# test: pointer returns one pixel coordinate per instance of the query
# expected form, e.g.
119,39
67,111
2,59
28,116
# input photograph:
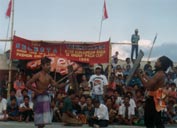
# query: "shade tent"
4,66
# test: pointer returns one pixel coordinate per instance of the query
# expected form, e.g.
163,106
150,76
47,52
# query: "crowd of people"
102,99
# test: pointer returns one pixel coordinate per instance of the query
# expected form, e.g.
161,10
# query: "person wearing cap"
134,39
98,84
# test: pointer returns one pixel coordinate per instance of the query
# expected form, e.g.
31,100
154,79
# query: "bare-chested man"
42,108
154,85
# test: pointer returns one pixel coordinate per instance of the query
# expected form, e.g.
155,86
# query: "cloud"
124,47
2,46
167,49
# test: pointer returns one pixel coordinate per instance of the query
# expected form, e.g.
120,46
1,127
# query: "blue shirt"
135,38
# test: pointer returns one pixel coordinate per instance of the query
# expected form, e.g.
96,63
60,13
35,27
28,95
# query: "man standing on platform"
134,39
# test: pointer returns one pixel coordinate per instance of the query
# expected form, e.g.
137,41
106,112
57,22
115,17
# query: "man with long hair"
154,100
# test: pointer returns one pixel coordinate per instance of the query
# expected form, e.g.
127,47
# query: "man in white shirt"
98,84
126,112
26,110
3,107
101,115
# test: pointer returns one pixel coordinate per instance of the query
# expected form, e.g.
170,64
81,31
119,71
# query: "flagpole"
7,35
110,60
152,47
104,16
10,63
100,30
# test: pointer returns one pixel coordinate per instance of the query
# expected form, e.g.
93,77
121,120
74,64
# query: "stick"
152,46
67,75
135,66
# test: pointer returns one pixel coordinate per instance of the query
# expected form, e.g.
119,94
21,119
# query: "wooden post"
110,60
10,57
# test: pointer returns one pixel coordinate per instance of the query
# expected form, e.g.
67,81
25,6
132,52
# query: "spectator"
172,91
112,84
82,102
111,110
114,64
139,112
85,86
139,96
12,109
98,84
68,117
101,115
128,63
171,113
4,85
127,70
3,109
126,112
115,55
135,39
118,98
88,110
26,110
24,93
19,85
76,107
132,101
12,94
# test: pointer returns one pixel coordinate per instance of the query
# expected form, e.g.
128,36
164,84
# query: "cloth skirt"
42,110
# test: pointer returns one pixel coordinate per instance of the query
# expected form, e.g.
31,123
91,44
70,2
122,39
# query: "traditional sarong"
42,110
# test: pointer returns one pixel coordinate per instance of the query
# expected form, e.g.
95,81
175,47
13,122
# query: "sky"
80,20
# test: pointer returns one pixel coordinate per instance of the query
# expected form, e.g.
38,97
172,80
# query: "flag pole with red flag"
104,17
10,14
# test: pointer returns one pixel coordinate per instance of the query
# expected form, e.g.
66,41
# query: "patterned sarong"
42,110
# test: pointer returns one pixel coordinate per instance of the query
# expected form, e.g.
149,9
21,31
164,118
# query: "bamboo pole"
152,47
5,40
10,58
110,60
100,30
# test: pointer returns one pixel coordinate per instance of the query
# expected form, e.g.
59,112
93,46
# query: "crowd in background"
123,104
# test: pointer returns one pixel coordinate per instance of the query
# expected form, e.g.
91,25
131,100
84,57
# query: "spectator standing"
135,39
19,85
98,84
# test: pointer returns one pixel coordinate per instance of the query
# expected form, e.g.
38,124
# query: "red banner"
82,52
57,64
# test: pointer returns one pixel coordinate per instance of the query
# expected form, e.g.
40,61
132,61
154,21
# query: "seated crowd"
121,103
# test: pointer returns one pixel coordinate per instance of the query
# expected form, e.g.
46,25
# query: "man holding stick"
155,93
42,108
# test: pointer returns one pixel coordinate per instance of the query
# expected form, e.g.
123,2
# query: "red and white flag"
105,13
8,12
